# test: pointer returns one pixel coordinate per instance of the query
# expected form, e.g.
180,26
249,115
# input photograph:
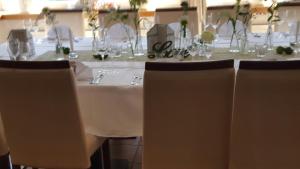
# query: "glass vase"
269,37
138,46
95,43
244,43
234,43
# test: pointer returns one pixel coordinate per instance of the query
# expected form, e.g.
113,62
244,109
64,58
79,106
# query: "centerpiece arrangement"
273,18
50,20
91,12
117,15
183,25
242,14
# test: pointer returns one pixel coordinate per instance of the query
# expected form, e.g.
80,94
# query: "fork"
134,80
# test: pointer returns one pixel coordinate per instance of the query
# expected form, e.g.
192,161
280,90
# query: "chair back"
187,114
106,20
167,16
3,145
40,113
120,32
67,18
266,117
64,32
226,29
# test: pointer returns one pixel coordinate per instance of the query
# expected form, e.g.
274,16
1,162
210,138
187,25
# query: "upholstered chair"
187,114
4,151
167,16
266,117
41,117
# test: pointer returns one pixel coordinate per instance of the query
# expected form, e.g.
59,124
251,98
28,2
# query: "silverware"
135,78
96,80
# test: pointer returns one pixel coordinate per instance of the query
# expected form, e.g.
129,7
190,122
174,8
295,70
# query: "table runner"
218,54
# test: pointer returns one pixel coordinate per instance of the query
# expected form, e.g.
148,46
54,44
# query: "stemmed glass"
193,49
102,49
28,24
212,26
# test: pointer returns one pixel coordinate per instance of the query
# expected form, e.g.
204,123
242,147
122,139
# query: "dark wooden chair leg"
5,162
106,155
96,160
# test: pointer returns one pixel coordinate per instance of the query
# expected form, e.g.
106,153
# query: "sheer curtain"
201,7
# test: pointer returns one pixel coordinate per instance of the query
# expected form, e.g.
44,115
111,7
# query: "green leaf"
270,18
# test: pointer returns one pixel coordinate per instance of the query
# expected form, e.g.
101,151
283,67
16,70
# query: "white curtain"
201,9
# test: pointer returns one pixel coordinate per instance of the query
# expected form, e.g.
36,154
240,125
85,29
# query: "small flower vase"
244,43
58,48
183,42
234,43
138,46
269,37
95,43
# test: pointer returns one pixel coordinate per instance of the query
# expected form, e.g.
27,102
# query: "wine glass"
13,49
27,24
102,49
193,49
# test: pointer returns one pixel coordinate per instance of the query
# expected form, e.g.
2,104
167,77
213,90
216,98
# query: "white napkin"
82,72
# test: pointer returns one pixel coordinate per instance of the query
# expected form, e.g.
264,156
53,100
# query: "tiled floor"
126,153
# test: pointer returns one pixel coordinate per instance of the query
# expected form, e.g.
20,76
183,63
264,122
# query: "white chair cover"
293,28
119,32
226,29
64,32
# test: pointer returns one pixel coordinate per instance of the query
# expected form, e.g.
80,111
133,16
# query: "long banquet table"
114,108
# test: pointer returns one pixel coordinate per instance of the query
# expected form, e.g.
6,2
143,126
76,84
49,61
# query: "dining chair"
64,32
74,20
41,117
266,119
187,114
167,16
226,29
120,32
4,151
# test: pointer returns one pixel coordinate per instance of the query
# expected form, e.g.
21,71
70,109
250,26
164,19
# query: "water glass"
102,49
28,24
193,49
207,50
261,50
116,50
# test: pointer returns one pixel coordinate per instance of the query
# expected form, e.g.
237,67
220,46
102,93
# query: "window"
35,6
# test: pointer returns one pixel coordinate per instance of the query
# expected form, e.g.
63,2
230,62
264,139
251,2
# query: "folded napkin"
82,72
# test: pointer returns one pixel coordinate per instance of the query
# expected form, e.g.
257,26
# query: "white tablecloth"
114,108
